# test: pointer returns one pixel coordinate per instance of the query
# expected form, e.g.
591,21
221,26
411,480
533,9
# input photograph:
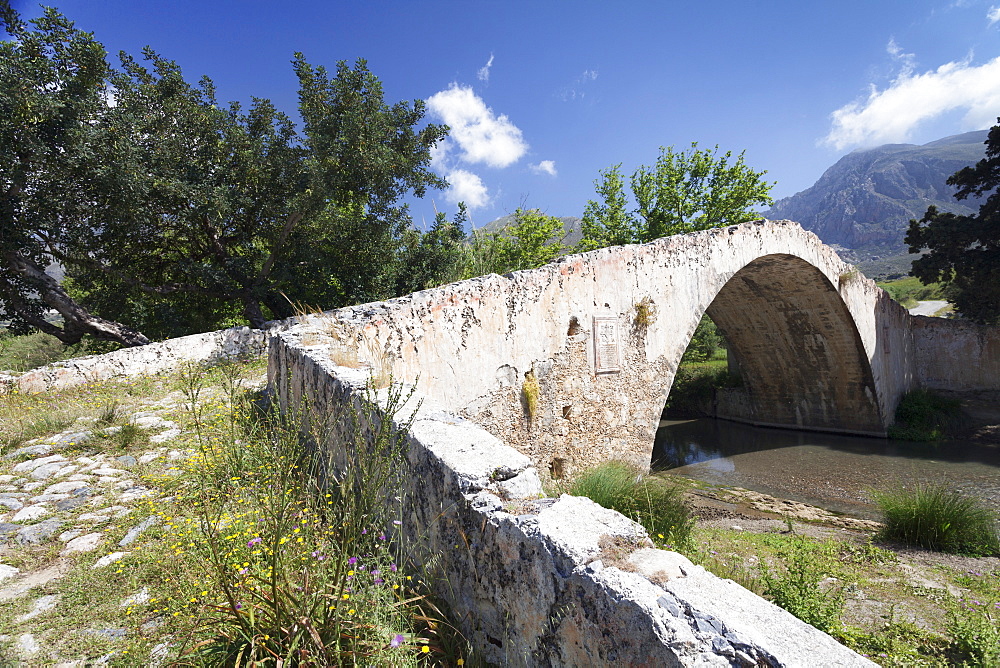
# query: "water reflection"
827,470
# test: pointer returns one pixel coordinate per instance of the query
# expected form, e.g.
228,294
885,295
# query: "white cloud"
545,167
484,72
575,89
907,61
466,187
993,15
890,115
481,135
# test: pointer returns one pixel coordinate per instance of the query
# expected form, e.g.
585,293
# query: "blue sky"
544,94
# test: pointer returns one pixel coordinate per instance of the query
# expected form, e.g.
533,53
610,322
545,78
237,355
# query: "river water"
827,470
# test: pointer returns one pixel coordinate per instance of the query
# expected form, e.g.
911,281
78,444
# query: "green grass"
909,290
214,589
655,503
938,518
923,415
30,351
921,627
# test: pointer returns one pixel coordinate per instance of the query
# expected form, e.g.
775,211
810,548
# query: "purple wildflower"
397,640
392,567
255,541
352,561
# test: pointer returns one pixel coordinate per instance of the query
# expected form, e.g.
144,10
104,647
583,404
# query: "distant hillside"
865,201
572,232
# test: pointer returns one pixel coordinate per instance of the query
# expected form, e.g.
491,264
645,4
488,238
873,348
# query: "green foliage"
685,191
30,351
974,628
655,503
705,342
533,239
53,81
909,290
923,415
695,385
964,251
434,257
797,588
303,546
178,214
937,518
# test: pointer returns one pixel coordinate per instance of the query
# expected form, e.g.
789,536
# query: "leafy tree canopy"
531,240
52,90
964,251
177,214
685,191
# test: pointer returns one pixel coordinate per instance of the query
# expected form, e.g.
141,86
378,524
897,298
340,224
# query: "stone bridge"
818,345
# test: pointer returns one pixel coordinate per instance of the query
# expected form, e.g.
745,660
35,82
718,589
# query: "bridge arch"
821,346
801,358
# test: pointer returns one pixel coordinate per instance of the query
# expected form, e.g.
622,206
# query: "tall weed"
300,534
974,628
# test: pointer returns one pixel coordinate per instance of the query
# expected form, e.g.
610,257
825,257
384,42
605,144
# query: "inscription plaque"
607,357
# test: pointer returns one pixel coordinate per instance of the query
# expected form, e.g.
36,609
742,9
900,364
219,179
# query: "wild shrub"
797,588
974,629
923,415
937,518
655,503
301,539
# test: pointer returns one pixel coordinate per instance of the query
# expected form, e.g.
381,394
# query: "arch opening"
800,358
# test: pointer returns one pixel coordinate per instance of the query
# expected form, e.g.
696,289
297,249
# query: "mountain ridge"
863,203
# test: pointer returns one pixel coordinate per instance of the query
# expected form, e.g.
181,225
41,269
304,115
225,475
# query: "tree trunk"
77,320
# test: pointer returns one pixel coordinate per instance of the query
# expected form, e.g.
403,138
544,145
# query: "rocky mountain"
863,204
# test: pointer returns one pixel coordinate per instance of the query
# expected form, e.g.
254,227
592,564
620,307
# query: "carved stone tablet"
607,357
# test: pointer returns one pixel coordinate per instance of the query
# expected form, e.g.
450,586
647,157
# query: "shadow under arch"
800,354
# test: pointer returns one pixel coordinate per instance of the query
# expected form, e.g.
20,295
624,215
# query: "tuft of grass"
937,518
923,415
655,503
846,277
36,426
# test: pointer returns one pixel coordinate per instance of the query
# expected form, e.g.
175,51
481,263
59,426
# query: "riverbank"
900,606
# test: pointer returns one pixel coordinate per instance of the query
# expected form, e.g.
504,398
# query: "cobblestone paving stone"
56,489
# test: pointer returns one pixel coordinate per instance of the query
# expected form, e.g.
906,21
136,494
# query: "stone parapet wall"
541,581
956,355
141,361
